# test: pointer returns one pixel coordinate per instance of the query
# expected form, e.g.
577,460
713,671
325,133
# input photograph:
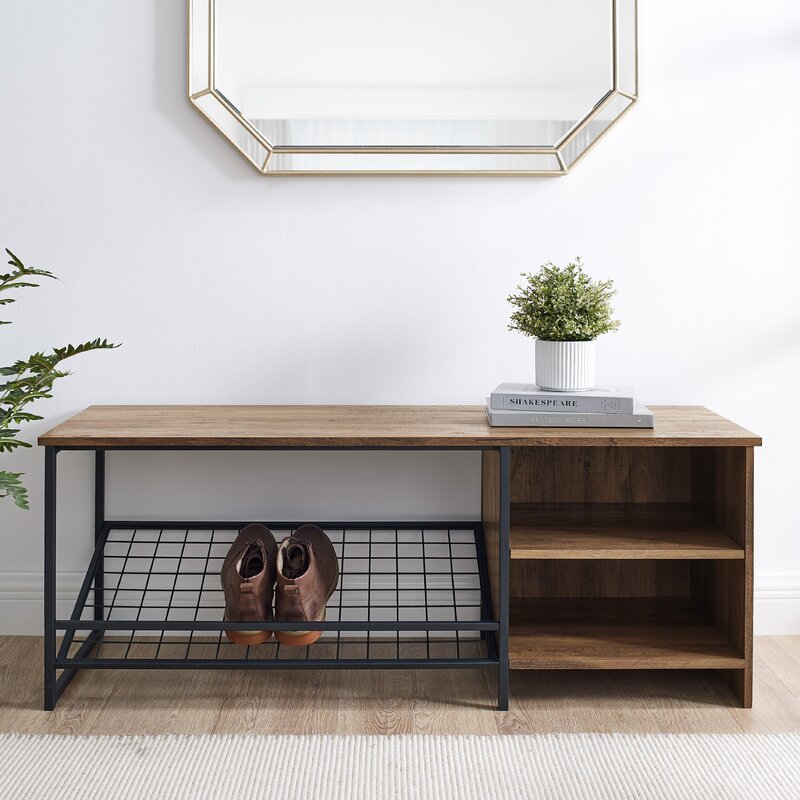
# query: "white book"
641,418
529,397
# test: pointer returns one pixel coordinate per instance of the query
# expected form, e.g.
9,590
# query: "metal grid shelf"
409,594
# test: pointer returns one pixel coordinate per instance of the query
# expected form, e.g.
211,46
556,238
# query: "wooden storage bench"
596,549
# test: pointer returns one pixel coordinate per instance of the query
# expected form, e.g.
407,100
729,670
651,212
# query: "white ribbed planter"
565,366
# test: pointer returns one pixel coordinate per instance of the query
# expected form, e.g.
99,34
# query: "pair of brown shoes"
302,573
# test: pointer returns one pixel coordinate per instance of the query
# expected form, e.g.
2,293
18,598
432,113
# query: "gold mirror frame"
270,159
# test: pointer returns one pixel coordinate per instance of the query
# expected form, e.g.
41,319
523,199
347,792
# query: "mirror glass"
421,86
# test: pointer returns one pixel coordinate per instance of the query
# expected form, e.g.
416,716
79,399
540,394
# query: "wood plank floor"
392,702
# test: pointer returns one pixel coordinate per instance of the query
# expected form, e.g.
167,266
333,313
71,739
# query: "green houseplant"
565,311
28,379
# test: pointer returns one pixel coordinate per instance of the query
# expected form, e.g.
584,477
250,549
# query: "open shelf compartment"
621,614
615,633
617,530
409,594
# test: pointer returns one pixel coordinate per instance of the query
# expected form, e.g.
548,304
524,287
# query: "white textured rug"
564,766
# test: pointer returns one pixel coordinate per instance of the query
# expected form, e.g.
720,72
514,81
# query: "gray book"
529,397
641,418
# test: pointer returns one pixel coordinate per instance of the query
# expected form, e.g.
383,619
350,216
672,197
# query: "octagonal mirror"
423,86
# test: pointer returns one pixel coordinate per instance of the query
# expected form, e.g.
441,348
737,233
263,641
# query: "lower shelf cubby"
407,595
623,613
617,633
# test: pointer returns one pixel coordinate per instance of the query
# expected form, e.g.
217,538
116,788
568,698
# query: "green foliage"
16,279
29,379
563,305
11,486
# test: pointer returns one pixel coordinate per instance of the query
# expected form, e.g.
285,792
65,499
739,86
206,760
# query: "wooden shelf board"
370,426
607,633
617,530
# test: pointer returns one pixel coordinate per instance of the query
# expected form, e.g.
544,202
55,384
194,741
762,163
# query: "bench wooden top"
367,426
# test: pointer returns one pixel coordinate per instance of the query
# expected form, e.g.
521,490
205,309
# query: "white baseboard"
22,600
777,602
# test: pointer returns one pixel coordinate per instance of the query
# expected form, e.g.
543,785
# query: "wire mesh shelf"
407,594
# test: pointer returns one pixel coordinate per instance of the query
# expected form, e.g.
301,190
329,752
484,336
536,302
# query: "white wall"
229,288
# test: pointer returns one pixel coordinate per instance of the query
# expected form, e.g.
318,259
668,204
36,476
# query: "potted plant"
565,311
29,379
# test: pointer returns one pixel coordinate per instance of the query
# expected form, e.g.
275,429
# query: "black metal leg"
487,612
505,545
99,533
50,454
94,580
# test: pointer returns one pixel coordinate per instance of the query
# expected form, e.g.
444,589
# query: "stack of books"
526,405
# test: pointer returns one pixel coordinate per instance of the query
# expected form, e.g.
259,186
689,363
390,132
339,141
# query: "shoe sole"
248,637
299,638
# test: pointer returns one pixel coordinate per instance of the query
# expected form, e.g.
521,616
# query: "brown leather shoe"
308,572
248,580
